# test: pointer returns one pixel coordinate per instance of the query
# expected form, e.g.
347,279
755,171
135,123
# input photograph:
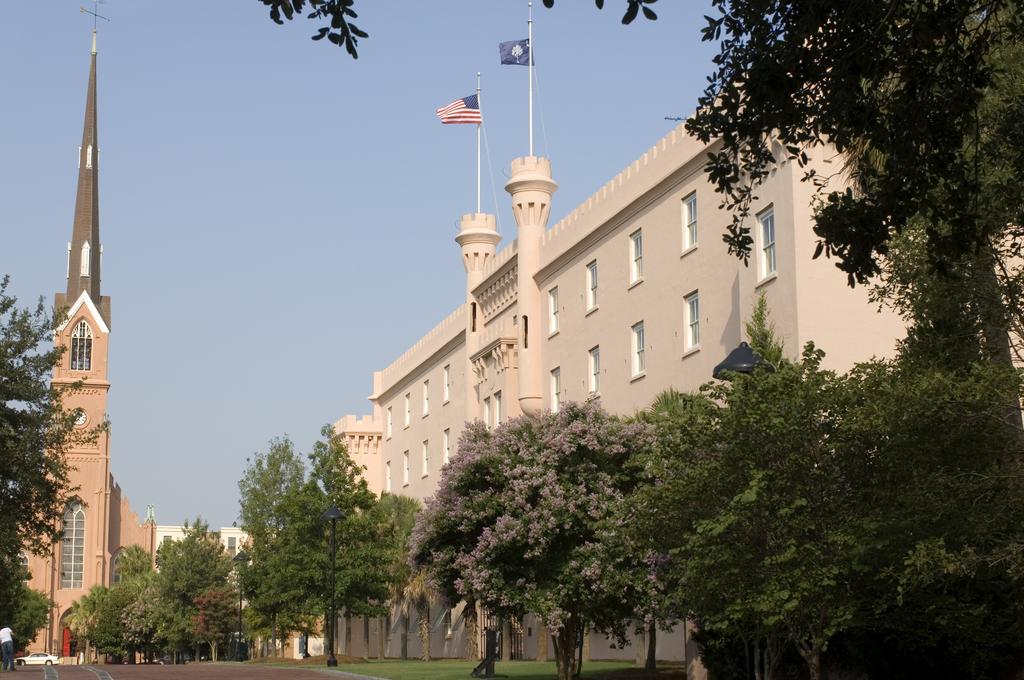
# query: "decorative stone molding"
500,293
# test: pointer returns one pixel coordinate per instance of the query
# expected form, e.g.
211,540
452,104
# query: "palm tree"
418,594
399,515
85,614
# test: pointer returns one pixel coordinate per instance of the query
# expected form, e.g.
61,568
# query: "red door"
65,645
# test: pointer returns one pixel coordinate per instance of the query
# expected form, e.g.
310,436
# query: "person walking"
7,643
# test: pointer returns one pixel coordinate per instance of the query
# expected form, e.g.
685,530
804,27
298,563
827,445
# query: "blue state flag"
515,52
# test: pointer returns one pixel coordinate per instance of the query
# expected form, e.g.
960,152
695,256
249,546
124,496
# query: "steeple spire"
84,252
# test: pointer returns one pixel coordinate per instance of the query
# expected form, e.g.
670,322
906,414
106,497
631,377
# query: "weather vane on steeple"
94,12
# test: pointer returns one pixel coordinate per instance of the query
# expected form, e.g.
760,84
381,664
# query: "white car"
37,659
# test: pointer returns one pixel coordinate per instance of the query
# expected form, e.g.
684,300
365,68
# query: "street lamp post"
743,359
239,559
332,515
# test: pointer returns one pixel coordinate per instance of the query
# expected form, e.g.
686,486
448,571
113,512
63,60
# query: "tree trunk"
348,633
758,662
472,631
382,637
813,659
405,637
506,639
773,650
652,646
424,631
542,641
584,645
273,635
213,650
565,649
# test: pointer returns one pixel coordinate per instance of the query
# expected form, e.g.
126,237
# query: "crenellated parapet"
677,153
436,339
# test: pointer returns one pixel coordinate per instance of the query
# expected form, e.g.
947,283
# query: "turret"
531,188
478,239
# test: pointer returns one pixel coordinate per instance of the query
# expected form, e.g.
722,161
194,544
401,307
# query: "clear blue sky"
278,219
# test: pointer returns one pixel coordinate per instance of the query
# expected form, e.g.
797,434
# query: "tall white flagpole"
529,42
478,126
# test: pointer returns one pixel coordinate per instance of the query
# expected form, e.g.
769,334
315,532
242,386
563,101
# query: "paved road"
203,671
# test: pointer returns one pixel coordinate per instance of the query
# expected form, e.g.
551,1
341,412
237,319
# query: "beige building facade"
630,293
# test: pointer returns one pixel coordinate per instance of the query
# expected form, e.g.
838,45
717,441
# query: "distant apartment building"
631,293
232,538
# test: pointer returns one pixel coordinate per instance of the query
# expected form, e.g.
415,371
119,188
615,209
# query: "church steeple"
84,259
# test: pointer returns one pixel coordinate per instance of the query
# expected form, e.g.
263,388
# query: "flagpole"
478,126
529,42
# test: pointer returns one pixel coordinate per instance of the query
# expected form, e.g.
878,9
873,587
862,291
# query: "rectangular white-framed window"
405,468
497,408
446,393
639,363
487,411
636,256
592,285
426,397
766,221
553,311
426,458
594,366
446,444
388,423
387,476
408,408
690,221
556,389
692,320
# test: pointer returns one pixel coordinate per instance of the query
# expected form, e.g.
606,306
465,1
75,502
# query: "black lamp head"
743,359
332,514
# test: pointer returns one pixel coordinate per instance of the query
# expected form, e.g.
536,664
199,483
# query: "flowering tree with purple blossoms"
528,519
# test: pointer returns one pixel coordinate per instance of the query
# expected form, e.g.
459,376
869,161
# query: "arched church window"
24,562
81,347
72,549
86,257
115,568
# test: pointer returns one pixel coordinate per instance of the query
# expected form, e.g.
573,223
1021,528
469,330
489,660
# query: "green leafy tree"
761,333
29,617
269,492
533,507
188,568
108,634
862,507
288,576
35,433
903,77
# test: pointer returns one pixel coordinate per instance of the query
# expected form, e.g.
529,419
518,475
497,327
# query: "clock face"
82,418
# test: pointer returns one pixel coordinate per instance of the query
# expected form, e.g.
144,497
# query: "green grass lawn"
459,669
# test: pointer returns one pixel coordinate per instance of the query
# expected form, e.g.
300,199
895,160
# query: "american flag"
465,110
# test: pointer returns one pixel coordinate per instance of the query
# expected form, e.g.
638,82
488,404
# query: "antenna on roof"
675,118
